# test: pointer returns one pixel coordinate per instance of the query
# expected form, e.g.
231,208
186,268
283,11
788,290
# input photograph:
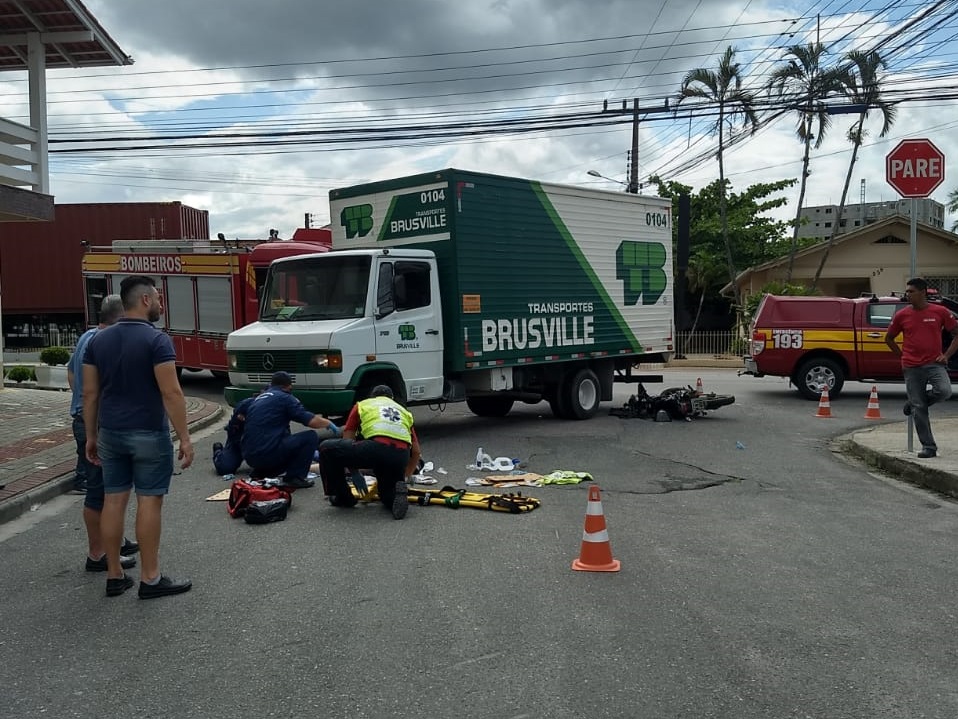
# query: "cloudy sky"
255,110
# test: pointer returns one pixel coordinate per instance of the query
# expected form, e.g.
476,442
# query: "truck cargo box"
529,271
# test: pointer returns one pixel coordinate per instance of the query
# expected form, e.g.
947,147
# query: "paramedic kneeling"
269,447
389,447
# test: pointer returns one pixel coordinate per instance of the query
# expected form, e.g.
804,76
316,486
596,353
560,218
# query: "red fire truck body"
209,288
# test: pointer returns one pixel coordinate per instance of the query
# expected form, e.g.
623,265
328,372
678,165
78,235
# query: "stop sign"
915,168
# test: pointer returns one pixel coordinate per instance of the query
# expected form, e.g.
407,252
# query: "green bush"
55,355
20,374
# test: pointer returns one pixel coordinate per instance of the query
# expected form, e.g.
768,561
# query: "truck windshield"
318,288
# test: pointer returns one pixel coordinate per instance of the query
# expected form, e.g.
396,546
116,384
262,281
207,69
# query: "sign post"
914,168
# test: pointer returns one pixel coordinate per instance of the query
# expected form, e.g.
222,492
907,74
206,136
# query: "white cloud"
235,66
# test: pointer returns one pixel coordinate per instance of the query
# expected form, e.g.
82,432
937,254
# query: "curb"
62,484
918,474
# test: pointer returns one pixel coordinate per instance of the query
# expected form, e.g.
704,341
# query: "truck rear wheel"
816,374
583,394
490,406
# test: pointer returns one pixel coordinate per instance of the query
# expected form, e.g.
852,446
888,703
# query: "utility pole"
634,167
633,185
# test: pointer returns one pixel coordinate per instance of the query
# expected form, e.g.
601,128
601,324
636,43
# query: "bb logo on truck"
357,219
641,267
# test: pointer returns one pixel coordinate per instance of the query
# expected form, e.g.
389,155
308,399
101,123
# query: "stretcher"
512,503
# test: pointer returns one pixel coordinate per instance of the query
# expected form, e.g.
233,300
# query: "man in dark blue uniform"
268,445
228,458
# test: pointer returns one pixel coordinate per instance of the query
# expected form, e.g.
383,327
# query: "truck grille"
264,363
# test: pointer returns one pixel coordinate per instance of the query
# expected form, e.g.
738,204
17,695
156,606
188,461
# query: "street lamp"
595,173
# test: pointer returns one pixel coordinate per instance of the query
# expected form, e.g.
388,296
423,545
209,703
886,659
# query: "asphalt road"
778,580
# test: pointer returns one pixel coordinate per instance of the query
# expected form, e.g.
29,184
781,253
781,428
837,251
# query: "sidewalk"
37,450
884,446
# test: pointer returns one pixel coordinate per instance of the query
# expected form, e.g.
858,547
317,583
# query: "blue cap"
281,379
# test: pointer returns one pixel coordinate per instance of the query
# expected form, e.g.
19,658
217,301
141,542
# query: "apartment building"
819,220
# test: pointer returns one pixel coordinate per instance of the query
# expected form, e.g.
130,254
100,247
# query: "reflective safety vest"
382,417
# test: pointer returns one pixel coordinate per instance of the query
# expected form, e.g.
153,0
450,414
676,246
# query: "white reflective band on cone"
602,536
593,508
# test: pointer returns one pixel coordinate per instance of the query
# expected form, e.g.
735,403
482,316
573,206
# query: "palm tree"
723,87
803,80
953,206
862,87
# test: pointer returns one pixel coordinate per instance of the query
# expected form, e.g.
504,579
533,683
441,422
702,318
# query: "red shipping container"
40,261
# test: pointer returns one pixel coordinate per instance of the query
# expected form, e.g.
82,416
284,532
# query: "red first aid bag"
244,493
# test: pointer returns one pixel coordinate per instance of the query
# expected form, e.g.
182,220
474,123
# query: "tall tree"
754,237
953,206
862,85
803,79
705,271
723,87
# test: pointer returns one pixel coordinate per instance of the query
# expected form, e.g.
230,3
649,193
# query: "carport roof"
73,39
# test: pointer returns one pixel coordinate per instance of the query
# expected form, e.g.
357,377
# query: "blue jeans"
89,473
140,459
293,456
921,397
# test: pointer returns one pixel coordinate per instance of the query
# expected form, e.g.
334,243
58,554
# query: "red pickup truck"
820,342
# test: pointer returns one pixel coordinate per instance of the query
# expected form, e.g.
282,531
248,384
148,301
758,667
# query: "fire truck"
209,287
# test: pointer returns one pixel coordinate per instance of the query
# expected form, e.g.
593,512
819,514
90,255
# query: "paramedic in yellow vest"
389,447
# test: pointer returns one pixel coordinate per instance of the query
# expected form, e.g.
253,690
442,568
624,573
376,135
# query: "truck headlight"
231,361
331,361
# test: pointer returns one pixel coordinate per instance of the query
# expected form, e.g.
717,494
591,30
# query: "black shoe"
116,587
298,482
217,448
165,587
906,410
927,453
400,501
129,548
99,565
345,502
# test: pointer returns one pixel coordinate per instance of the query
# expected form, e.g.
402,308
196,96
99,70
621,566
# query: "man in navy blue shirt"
268,445
129,389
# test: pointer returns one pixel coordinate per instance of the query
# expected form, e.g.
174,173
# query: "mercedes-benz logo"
268,361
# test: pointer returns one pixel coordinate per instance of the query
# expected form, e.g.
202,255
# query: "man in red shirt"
922,360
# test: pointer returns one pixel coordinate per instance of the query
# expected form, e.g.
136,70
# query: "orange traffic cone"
873,411
699,389
596,552
824,407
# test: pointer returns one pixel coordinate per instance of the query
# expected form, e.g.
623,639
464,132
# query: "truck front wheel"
816,374
583,393
489,406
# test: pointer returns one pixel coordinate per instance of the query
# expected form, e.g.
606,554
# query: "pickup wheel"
583,394
490,406
817,373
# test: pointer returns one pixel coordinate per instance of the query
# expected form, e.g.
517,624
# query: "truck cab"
320,317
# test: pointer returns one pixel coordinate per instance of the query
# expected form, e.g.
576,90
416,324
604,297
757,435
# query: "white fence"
714,343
